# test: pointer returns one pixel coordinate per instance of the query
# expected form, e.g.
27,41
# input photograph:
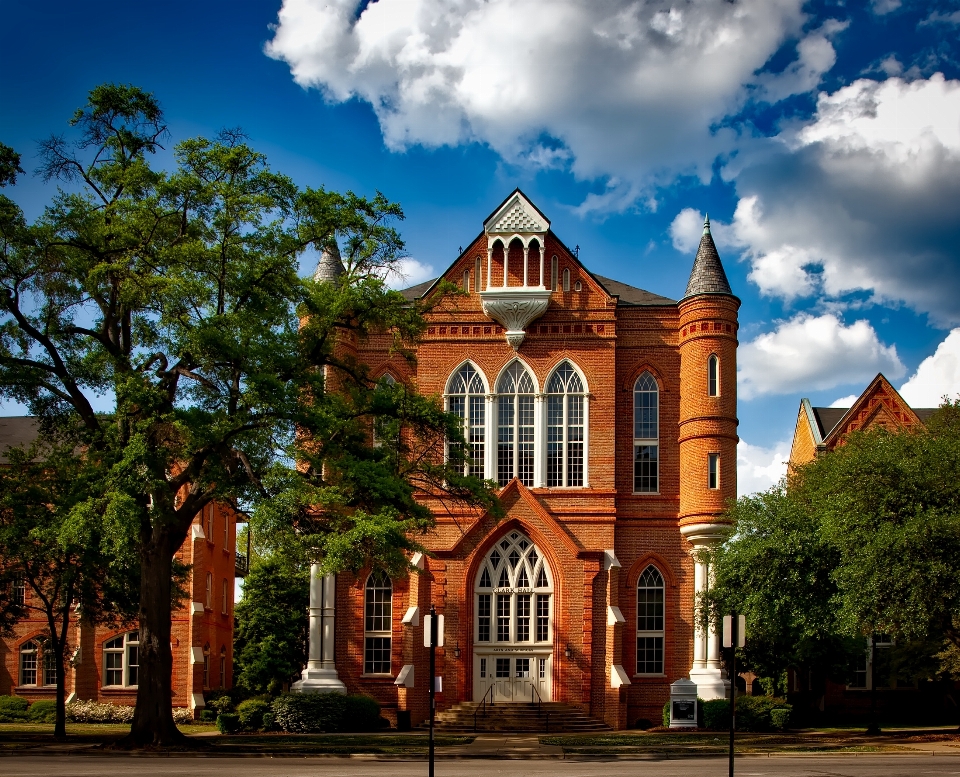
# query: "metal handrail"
483,706
539,703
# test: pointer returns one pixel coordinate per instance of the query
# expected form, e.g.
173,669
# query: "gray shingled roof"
707,276
330,267
628,295
16,431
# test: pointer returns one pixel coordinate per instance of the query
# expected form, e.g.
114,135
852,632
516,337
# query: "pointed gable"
880,405
516,215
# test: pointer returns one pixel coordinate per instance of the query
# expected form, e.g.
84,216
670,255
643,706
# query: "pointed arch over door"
513,624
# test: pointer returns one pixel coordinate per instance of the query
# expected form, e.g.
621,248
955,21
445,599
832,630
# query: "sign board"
684,710
728,629
427,630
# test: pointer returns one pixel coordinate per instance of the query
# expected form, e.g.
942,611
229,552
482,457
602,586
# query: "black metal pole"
733,682
432,681
874,728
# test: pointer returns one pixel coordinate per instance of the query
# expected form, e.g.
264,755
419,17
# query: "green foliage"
251,713
754,713
269,721
43,711
716,714
221,704
270,638
309,713
780,717
208,716
228,723
13,709
665,716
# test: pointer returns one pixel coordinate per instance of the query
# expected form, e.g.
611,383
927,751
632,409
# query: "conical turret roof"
330,267
707,276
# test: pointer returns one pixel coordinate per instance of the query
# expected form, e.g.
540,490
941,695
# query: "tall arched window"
515,427
566,279
646,434
713,376
49,666
377,624
223,666
208,602
28,663
554,263
650,627
467,399
476,273
565,417
224,597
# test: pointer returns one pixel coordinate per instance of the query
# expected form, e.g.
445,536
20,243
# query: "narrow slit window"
378,624
476,274
713,376
713,470
466,281
566,279
554,263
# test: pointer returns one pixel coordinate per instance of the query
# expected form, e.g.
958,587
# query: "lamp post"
432,639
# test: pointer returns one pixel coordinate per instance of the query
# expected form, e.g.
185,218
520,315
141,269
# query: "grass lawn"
19,736
337,744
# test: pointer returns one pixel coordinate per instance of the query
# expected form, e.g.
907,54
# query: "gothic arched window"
377,624
565,427
650,621
515,426
646,434
467,399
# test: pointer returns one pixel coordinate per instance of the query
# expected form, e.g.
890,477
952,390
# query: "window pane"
713,376
503,618
377,655
525,431
645,468
645,408
483,617
505,440
543,617
133,664
379,603
523,617
649,655
503,667
522,667
49,667
554,441
713,470
28,664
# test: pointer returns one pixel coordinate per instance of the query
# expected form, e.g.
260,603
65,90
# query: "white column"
707,671
539,440
489,264
526,265
491,437
506,262
320,674
543,250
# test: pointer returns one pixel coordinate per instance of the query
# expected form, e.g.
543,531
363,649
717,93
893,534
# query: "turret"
708,389
330,269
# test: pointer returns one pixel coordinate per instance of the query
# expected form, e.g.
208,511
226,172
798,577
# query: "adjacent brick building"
104,659
608,416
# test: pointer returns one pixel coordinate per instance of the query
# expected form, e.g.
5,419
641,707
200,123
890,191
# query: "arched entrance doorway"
513,622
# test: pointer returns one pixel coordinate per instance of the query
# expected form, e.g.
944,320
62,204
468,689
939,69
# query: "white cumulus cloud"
864,198
937,376
409,272
629,91
758,468
845,401
810,353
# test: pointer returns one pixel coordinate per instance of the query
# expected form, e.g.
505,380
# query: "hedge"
308,713
13,709
251,713
43,711
96,712
754,713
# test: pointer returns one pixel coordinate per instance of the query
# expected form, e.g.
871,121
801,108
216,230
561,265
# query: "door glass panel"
523,667
503,667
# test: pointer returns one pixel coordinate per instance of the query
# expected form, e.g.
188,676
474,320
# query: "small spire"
707,276
329,268
706,224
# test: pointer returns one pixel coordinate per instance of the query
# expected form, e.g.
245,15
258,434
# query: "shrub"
95,712
43,711
716,714
780,717
182,716
362,714
221,704
269,721
208,716
308,713
228,722
13,708
251,713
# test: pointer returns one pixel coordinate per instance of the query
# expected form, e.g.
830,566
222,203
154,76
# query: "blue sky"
822,137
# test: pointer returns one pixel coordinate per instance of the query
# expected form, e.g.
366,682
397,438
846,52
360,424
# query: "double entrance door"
513,677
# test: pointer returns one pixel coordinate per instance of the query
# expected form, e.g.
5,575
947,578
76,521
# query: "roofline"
857,402
503,202
812,420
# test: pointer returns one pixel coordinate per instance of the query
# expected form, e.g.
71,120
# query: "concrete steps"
515,717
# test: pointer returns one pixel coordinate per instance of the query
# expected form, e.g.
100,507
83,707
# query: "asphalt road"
808,766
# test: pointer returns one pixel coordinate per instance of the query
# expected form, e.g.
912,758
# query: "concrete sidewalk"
521,746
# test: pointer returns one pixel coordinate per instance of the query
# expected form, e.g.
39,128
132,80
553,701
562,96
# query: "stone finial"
706,224
330,267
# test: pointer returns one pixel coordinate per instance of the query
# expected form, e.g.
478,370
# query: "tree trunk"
60,725
153,717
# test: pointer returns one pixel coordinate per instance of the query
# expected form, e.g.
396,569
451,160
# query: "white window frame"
566,395
646,632
377,623
468,398
208,602
646,441
520,371
713,471
29,653
129,641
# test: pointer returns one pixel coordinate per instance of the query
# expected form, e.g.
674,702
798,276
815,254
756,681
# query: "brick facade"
202,623
611,334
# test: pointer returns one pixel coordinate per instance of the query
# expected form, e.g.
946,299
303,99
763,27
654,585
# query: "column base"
711,684
315,679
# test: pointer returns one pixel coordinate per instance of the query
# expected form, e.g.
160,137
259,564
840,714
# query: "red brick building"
104,660
608,416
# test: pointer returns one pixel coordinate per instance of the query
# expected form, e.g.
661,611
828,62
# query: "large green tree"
270,640
864,540
175,298
68,553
